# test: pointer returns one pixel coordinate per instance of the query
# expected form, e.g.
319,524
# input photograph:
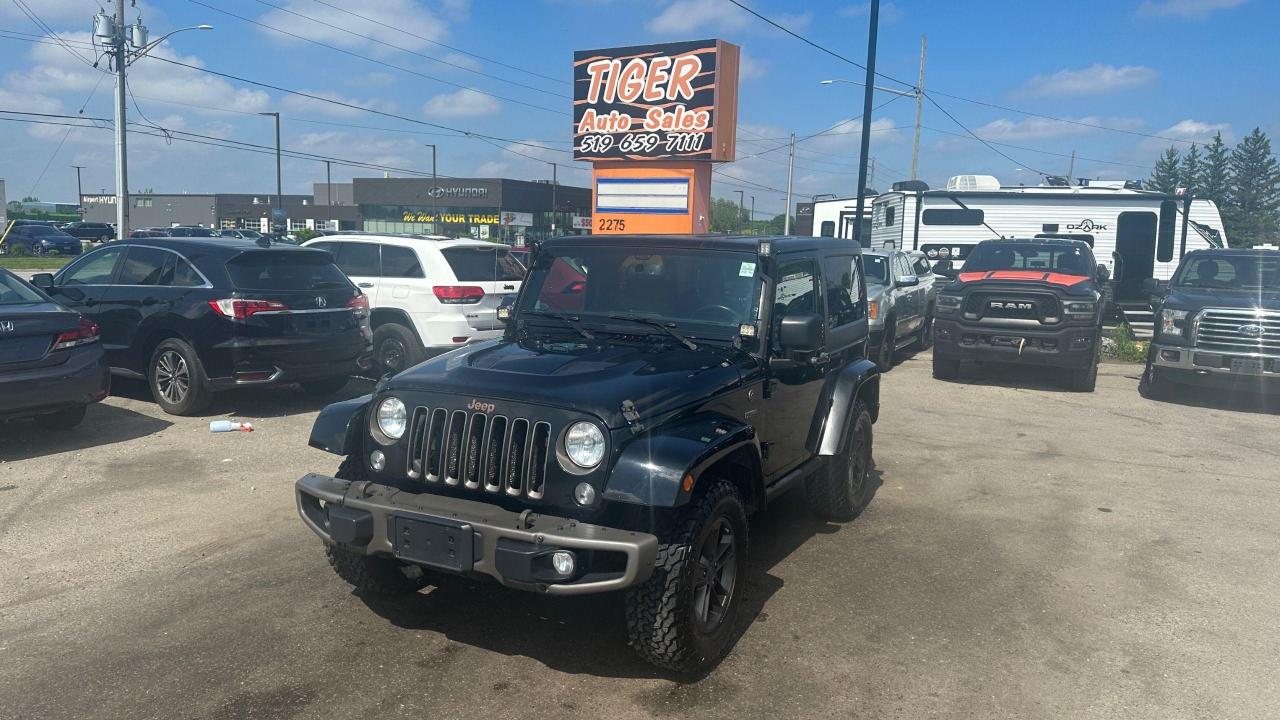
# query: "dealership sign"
581,222
522,219
654,102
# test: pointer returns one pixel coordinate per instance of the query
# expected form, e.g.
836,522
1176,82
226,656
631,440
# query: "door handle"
364,285
149,301
89,302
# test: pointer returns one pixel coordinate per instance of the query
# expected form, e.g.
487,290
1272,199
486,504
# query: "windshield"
1066,259
267,270
705,293
1230,272
15,292
877,269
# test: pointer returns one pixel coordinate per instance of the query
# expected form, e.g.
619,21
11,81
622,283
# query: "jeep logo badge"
478,406
1010,305
1249,331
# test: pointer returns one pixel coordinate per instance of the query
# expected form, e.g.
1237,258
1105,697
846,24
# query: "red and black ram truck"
1034,302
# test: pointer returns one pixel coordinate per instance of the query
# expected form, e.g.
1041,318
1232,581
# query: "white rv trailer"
834,218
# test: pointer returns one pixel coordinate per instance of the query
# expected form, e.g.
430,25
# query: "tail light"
241,309
359,304
458,294
86,332
873,309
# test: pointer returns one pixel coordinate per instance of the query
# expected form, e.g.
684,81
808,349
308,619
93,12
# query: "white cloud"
1035,128
1196,131
691,17
385,20
55,12
493,168
889,12
1093,80
461,104
749,68
1196,9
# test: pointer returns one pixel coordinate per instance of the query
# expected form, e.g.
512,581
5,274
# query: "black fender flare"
858,381
339,428
652,467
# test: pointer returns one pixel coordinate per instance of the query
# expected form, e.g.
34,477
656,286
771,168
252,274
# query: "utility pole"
786,210
867,95
79,192
871,172
122,154
915,145
752,222
435,213
741,210
554,182
279,196
328,187
1071,169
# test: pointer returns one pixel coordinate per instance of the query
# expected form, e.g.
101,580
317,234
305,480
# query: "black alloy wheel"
717,574
395,349
391,355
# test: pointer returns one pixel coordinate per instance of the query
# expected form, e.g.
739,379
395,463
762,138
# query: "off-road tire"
370,575
394,334
925,341
884,358
63,419
324,386
1084,379
661,623
1152,385
197,396
842,490
945,368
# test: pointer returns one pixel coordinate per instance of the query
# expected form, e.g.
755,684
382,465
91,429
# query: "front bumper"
364,517
1069,346
1216,369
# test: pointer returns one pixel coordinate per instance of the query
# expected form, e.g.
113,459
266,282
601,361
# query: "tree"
1191,173
1165,176
1215,173
1253,210
726,216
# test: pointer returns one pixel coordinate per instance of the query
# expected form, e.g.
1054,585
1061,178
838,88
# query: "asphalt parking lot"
1030,553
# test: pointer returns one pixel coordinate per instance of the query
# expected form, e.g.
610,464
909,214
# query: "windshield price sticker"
748,269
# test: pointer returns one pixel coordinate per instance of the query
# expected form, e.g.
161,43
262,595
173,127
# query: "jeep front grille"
1219,329
475,450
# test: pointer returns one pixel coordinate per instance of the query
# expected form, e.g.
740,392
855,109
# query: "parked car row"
38,239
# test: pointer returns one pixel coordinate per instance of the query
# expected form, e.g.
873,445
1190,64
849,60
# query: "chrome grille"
476,451
1219,329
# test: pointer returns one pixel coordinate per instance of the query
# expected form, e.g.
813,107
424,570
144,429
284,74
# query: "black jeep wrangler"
1033,302
1217,324
649,393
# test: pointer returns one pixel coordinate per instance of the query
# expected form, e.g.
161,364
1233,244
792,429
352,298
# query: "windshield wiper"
569,320
665,327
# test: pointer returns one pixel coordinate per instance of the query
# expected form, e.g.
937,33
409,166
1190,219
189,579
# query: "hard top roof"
740,243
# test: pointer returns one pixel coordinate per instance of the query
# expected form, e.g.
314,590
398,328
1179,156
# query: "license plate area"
1248,366
434,542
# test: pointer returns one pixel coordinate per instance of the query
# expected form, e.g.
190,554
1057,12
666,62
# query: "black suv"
91,231
650,392
1217,324
1034,302
194,316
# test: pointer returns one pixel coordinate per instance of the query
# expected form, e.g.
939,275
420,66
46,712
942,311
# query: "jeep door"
791,394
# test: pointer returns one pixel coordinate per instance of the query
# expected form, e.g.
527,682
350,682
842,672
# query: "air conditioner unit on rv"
973,182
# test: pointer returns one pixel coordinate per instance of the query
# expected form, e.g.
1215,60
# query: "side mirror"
1152,286
800,333
908,281
44,281
1102,273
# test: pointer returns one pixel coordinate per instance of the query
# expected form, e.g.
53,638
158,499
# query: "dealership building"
511,211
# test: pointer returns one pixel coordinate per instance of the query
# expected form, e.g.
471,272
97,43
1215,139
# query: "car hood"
1065,285
1196,298
586,378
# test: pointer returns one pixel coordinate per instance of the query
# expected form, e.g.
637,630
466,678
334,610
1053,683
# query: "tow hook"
1021,343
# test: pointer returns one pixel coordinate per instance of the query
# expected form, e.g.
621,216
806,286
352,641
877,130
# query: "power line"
447,47
35,18
993,148
375,61
410,51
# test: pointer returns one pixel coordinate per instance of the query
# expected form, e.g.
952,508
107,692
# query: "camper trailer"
1136,233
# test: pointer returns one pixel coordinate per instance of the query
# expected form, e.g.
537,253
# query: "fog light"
1170,355
377,460
563,562
584,494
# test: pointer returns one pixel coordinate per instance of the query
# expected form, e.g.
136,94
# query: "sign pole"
786,211
866,119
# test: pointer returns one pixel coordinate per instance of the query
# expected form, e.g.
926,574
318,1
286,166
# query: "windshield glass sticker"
748,269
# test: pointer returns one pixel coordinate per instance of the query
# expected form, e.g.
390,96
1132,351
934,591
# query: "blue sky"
1178,69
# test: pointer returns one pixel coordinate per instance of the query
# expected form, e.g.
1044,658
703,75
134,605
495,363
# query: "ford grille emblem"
321,302
6,326
1250,331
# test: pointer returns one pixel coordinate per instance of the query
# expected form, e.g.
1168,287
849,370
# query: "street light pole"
915,145
786,209
435,219
554,183
867,95
328,187
738,225
79,192
279,196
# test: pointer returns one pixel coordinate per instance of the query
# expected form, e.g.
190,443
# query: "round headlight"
392,418
584,444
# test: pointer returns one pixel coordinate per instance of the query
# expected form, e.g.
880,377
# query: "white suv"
429,294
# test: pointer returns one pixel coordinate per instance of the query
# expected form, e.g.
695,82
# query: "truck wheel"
1152,385
366,573
945,368
884,358
395,348
177,378
842,490
1085,379
926,331
684,616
